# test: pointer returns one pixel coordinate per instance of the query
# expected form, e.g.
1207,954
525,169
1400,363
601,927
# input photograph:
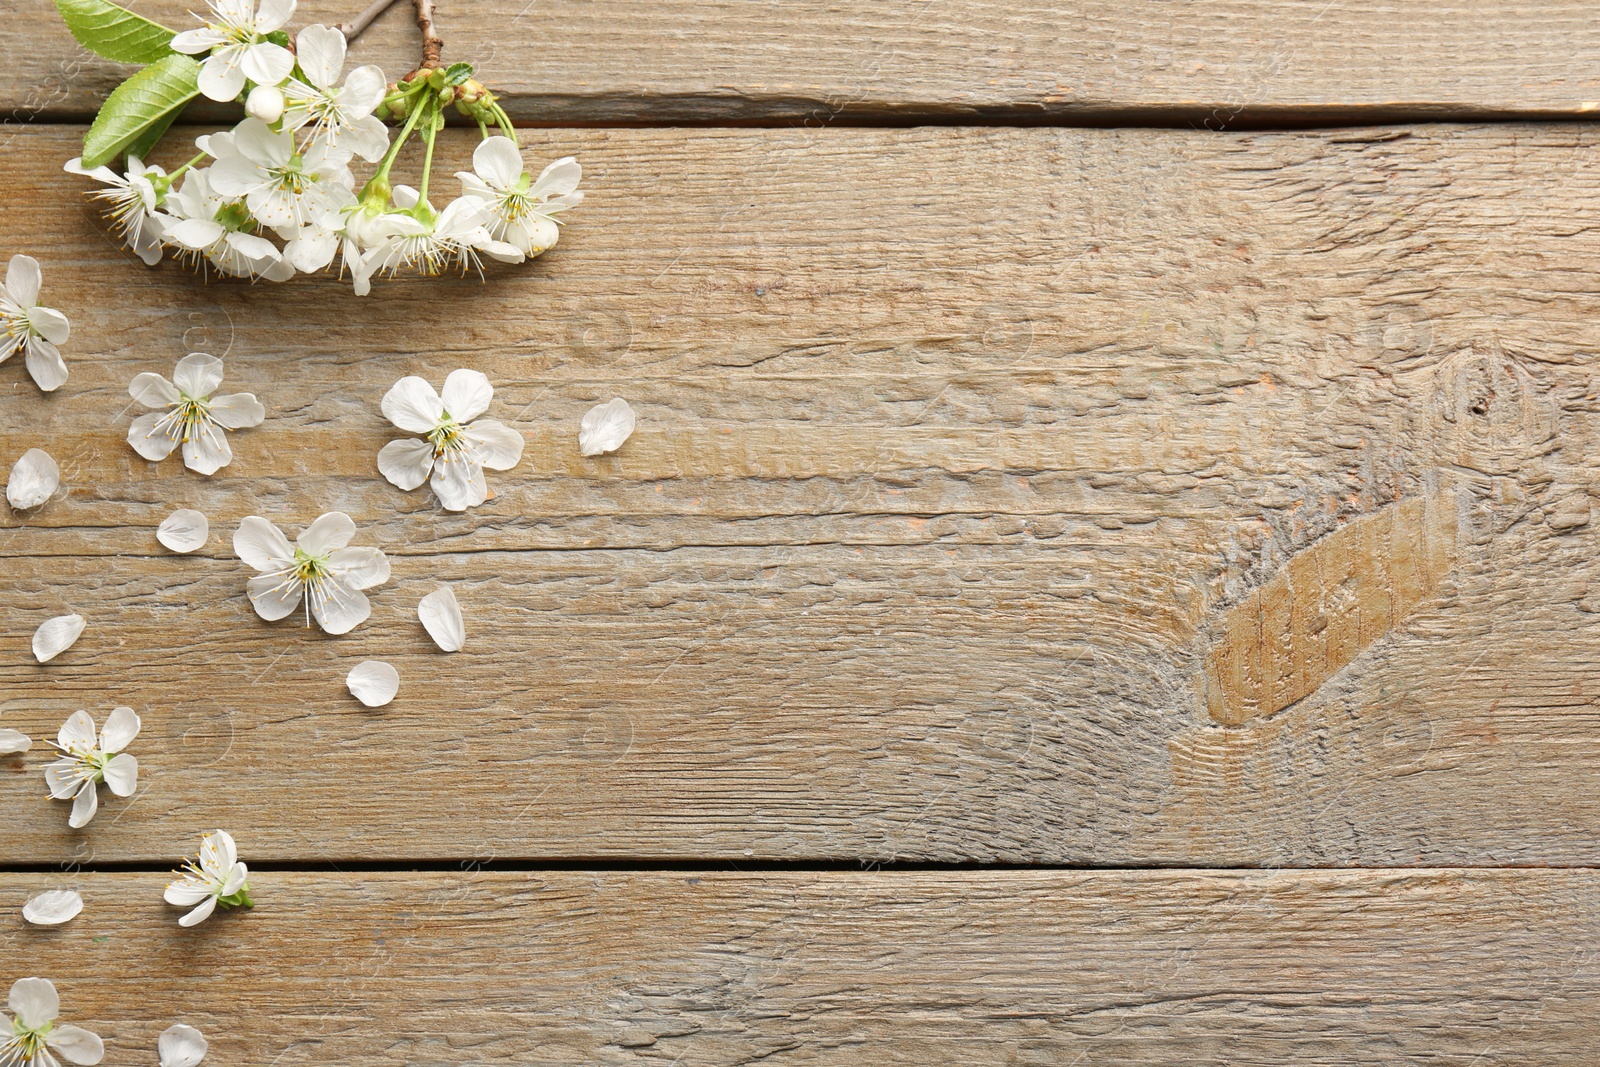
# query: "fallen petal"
605,427
184,531
53,908
34,479
373,682
440,613
14,741
56,636
181,1046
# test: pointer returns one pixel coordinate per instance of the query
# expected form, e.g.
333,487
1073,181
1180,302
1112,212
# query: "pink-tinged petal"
23,280
329,533
406,463
122,774
466,394
262,545
84,805
498,446
360,568
412,405
150,439
198,374
152,390
201,913
274,598
121,727
458,482
34,1002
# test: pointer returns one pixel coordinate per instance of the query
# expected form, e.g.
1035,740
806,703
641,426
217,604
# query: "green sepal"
456,73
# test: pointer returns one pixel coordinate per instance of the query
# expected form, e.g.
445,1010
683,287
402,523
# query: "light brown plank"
941,503
1213,64
1435,966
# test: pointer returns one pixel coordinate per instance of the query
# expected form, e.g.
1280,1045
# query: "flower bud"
265,102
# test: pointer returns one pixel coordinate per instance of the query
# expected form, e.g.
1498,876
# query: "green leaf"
115,32
456,73
154,95
146,141
279,38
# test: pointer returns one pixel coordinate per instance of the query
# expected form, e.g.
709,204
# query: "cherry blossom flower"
318,568
27,325
55,636
338,116
236,39
209,226
85,763
373,682
135,200
455,449
522,213
36,1038
181,1046
217,877
53,907
605,427
282,188
34,478
189,415
440,613
456,238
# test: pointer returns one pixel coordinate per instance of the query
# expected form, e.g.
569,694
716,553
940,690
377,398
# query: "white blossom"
36,1038
135,198
281,187
373,682
456,238
55,636
216,877
455,449
340,116
86,762
27,325
522,212
181,1046
210,226
440,613
52,908
236,38
605,427
318,568
189,415
34,478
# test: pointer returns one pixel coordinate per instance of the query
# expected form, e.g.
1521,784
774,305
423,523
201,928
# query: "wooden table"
1105,573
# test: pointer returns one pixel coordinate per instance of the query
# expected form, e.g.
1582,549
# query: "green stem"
504,121
427,163
187,166
483,129
399,142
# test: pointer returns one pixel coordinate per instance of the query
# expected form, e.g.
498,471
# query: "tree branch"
356,26
432,43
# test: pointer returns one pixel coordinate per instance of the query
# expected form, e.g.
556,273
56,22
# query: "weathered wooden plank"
1212,64
1437,966
940,506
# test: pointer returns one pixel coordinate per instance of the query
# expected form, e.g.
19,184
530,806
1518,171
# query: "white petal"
149,438
406,463
122,774
267,64
14,741
84,805
237,875
193,42
440,613
53,908
220,77
34,479
55,637
329,533
605,427
466,394
50,323
186,891
413,405
373,682
256,143
77,732
218,852
22,280
61,778
207,450
77,1045
273,15
458,482
34,1002
363,90
274,597
558,179
198,374
342,611
196,234
121,727
360,568
498,446
45,365
152,390
201,913
237,411
185,530
320,50
498,161
262,545
181,1046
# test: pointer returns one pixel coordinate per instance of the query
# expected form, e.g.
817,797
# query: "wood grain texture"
1202,62
551,969
942,494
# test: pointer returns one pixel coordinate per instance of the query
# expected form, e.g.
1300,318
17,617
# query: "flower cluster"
277,195
36,1038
